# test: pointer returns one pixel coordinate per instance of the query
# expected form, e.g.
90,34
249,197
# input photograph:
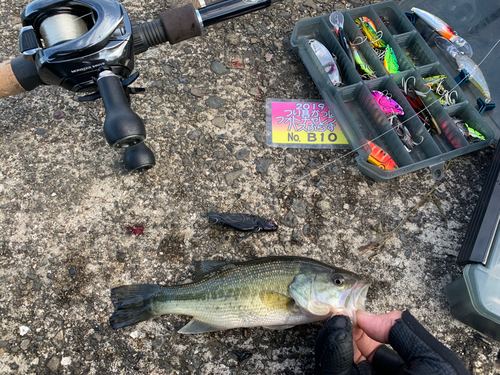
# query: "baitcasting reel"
86,46
89,46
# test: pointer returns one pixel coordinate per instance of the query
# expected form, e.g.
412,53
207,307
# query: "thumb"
377,326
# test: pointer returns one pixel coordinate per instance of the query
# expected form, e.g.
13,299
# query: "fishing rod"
89,47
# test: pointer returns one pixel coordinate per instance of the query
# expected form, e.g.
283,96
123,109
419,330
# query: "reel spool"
62,27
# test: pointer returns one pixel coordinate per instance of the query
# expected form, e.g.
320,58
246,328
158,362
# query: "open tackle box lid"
358,114
474,298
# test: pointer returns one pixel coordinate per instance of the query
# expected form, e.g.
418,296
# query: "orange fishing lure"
381,158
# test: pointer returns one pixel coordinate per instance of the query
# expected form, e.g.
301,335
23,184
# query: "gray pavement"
65,200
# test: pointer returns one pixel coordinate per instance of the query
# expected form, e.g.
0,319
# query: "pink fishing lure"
387,105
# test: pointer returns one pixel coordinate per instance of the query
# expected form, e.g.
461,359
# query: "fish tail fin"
133,304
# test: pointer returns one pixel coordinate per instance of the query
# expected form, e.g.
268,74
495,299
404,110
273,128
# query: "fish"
327,61
337,21
390,60
273,292
367,27
381,158
388,105
362,63
464,62
443,29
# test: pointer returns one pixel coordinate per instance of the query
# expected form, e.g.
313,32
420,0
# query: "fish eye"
338,280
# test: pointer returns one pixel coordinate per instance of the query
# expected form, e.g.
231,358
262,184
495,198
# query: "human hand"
342,350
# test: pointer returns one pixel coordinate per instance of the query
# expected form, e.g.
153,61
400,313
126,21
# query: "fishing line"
437,100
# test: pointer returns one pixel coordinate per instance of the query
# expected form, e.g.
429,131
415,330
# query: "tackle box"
359,115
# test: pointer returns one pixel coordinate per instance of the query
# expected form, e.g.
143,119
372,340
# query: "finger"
364,344
358,356
377,326
334,347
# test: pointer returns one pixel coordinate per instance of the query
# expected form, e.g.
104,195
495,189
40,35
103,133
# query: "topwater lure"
443,29
464,62
381,158
337,21
327,61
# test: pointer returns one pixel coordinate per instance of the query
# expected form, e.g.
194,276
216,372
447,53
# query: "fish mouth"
358,299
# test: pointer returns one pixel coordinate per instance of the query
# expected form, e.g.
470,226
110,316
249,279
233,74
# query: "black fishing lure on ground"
242,222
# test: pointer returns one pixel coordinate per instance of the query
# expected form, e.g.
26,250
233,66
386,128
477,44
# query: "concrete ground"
66,200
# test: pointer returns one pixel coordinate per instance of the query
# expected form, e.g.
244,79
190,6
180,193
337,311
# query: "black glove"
418,352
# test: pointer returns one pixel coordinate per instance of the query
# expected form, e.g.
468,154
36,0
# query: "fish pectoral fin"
195,326
279,328
276,300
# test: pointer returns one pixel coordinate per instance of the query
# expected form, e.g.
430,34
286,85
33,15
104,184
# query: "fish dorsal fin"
201,268
195,326
276,301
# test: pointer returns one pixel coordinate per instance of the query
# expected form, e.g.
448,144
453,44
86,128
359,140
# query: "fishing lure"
362,63
242,222
468,132
403,133
337,20
444,96
413,97
381,158
388,105
367,27
327,61
464,62
390,60
443,29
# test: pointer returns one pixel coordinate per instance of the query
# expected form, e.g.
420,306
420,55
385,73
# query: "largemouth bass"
274,292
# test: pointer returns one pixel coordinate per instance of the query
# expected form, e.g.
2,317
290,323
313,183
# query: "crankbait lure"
464,62
362,63
367,27
388,105
327,61
390,61
381,158
443,29
242,222
337,21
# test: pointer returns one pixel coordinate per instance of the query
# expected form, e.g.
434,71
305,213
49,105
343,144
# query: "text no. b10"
313,137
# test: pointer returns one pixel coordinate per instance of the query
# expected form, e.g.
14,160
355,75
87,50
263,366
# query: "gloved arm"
417,351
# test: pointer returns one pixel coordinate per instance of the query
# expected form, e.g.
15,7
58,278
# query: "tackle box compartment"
357,112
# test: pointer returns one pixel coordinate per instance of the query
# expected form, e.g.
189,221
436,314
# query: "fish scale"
274,292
